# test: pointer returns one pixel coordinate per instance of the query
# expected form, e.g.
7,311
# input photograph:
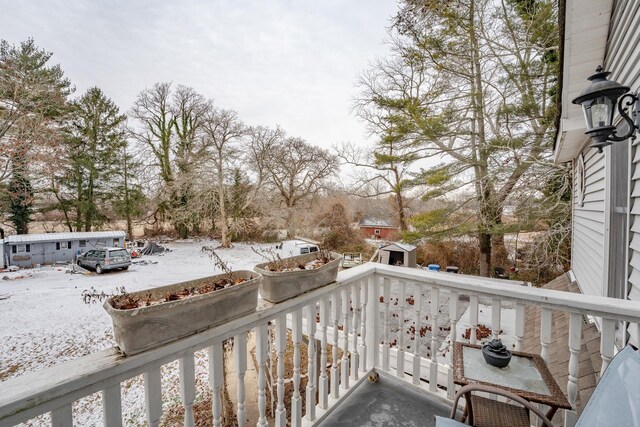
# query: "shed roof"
376,222
401,246
59,237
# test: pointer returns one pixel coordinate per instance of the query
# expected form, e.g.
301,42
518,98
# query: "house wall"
44,253
622,54
385,233
596,252
588,223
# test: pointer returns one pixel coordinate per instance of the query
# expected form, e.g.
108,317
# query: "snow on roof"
404,246
56,237
375,222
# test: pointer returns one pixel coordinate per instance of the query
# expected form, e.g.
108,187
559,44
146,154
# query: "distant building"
376,228
28,250
398,254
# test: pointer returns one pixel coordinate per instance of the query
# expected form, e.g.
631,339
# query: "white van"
290,248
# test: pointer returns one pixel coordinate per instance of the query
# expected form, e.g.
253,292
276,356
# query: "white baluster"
401,333
607,342
417,306
112,406
373,322
355,305
575,333
496,311
310,413
153,396
240,360
520,319
187,371
453,337
362,350
281,345
296,400
262,347
546,317
453,319
345,338
216,375
473,318
62,417
335,373
386,295
323,383
435,308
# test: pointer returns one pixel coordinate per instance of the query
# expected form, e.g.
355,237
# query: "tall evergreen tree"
129,194
20,201
474,82
33,101
95,143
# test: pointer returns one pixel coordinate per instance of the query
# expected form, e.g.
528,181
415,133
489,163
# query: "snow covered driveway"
44,320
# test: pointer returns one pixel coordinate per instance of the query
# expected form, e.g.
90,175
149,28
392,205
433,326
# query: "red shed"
375,228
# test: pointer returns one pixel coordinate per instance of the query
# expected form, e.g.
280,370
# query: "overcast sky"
292,63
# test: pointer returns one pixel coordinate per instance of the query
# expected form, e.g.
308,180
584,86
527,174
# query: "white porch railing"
352,316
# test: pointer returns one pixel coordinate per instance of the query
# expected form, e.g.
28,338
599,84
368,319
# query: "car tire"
125,268
79,263
99,269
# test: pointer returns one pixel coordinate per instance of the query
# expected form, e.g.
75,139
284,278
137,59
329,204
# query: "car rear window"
118,253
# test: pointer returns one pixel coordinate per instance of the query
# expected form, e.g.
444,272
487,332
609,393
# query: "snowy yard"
45,321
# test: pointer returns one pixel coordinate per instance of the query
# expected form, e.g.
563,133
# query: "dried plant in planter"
220,263
286,278
126,302
278,264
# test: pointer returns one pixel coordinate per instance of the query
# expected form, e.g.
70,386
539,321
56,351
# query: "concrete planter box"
139,329
278,286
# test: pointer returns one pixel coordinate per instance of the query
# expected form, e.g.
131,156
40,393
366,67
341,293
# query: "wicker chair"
484,412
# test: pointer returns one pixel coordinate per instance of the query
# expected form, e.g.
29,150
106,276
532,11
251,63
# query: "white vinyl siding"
634,233
623,51
588,225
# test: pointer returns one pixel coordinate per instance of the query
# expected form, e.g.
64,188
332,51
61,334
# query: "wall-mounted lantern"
598,101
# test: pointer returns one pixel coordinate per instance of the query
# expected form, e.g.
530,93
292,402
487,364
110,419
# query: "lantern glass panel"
599,112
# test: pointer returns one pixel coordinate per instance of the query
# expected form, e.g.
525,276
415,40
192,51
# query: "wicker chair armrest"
494,390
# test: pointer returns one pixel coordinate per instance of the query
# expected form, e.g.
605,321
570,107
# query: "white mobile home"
606,191
28,250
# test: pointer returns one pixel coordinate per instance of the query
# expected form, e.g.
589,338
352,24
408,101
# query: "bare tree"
168,125
298,171
222,132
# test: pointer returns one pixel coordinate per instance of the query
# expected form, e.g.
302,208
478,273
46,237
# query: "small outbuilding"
28,250
398,254
376,228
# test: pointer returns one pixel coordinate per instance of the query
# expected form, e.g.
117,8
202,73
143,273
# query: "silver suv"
103,259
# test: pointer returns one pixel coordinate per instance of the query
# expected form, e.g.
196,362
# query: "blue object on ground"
433,267
447,422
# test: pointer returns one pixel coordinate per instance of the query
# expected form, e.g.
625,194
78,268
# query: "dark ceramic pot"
496,354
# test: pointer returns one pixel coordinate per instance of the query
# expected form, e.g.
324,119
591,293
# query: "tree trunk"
127,201
224,231
484,240
400,206
291,229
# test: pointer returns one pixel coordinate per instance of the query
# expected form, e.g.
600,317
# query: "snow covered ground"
45,321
